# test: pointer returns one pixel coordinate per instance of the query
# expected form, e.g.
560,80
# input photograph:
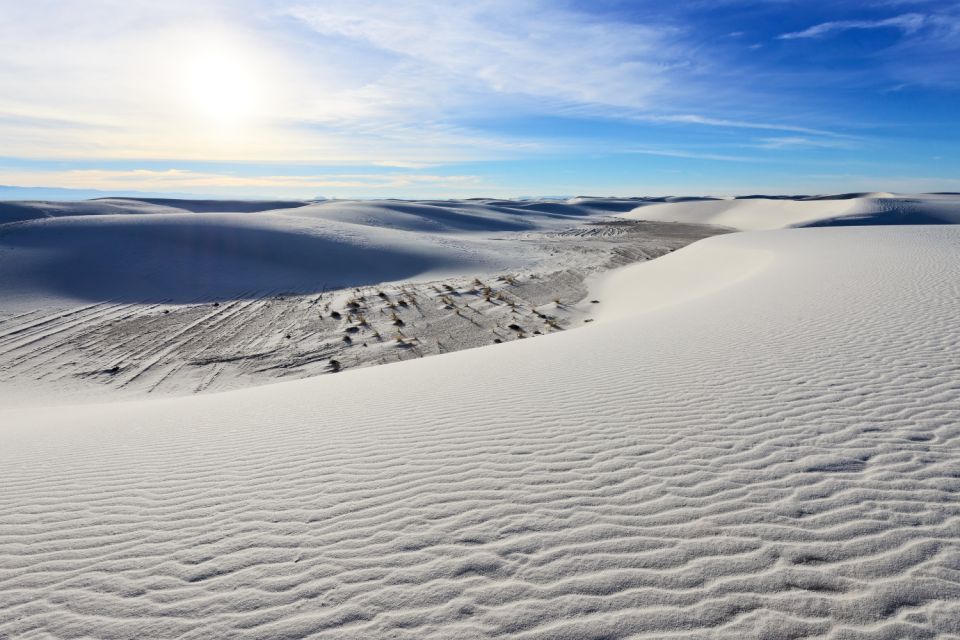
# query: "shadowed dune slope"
151,250
193,257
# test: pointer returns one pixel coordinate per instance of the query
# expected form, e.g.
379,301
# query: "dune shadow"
184,260
213,206
880,218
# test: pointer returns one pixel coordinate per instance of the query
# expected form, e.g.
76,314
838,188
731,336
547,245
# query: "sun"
221,88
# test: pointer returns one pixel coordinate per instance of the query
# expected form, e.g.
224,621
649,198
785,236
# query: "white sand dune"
187,257
775,454
148,252
155,250
759,213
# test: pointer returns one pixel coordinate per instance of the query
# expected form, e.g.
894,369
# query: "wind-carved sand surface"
231,334
769,451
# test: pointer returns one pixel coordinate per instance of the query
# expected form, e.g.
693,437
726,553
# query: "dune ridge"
754,213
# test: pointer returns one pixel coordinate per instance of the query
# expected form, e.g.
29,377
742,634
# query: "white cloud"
379,81
794,142
695,155
182,180
733,124
530,48
908,23
338,82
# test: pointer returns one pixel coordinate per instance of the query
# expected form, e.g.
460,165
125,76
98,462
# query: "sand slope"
762,212
776,457
54,254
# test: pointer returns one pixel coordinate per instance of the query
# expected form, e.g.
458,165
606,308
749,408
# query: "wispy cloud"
183,180
794,142
531,48
734,124
331,81
695,155
384,81
401,88
908,23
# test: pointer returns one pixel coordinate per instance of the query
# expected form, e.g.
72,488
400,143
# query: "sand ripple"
779,459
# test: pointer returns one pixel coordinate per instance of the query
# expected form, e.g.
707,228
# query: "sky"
498,98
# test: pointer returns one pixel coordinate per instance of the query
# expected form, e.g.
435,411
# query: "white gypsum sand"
765,212
178,301
769,450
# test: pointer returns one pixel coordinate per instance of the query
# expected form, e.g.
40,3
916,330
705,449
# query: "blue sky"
415,98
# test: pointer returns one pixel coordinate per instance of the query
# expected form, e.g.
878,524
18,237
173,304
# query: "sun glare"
221,88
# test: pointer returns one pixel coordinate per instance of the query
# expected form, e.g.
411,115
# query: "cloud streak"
909,23
212,182
506,47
